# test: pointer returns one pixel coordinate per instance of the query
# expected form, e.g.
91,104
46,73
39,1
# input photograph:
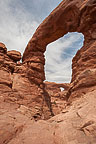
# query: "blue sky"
19,20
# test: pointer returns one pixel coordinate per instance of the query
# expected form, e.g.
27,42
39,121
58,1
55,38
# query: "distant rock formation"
58,97
27,103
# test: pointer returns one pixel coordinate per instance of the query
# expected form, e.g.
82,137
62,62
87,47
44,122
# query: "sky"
18,22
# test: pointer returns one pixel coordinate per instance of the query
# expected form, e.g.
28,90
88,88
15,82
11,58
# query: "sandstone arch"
23,96
62,20
69,16
25,84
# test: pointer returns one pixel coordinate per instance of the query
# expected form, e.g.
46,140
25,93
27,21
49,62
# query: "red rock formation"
58,97
17,84
16,56
23,94
69,16
3,48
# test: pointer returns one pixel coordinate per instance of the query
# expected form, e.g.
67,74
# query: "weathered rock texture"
58,97
17,84
69,16
25,98
75,125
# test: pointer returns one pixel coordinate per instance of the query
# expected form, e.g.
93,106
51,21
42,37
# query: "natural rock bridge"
25,98
25,81
69,16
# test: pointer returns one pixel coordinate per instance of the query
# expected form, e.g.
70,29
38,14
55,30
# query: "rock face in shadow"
57,93
25,98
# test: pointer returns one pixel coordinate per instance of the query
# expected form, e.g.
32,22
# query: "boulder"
14,55
3,48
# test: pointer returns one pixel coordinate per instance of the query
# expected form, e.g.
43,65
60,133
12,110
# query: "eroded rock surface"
17,84
15,55
25,98
57,93
75,124
69,16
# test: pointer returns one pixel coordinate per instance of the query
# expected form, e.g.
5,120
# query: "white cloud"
16,28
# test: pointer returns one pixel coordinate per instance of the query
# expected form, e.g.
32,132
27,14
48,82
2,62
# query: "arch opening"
58,57
62,89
